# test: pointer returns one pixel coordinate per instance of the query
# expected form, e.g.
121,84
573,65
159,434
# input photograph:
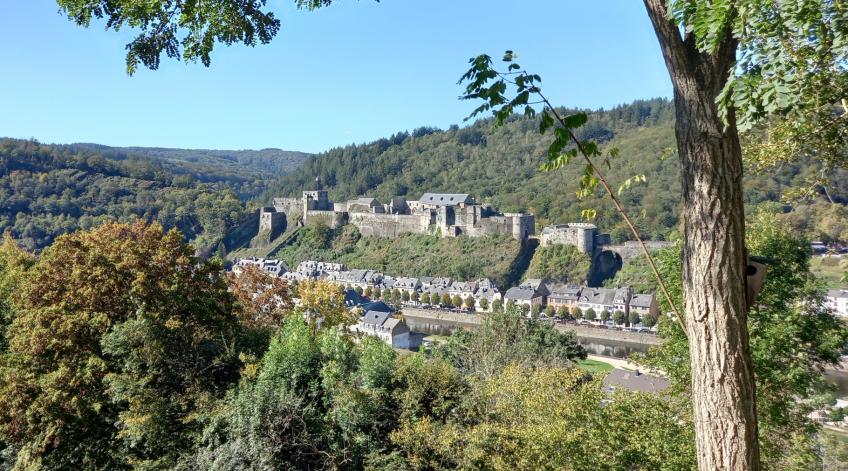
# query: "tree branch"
620,209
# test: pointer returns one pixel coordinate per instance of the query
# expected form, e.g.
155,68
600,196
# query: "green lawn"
594,366
828,269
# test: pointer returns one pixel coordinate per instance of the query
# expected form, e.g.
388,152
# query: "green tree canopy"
121,335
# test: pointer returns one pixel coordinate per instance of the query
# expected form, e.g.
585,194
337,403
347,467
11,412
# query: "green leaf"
546,122
575,120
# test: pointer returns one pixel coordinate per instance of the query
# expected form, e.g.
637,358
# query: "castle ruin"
445,214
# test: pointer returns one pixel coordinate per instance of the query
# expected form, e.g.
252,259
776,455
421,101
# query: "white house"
487,290
392,331
837,301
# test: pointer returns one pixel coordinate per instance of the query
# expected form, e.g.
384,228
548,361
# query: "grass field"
594,366
828,269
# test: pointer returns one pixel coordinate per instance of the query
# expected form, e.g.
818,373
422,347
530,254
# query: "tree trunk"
714,256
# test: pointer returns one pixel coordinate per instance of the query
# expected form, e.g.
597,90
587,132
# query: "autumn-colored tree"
14,263
323,304
456,301
445,300
425,298
121,336
262,300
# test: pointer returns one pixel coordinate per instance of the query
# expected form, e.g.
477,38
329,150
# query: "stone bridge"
607,260
632,249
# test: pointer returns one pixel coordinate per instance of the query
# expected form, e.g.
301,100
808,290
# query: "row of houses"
535,292
484,292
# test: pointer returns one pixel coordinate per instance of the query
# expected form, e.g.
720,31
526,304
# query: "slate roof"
566,293
352,298
406,283
603,296
537,285
376,306
837,293
622,295
462,287
521,294
395,326
446,199
642,300
485,283
375,317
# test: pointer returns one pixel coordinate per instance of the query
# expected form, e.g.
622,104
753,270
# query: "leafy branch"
491,85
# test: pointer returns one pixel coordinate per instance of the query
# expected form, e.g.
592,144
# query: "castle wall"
581,236
288,205
469,220
389,225
523,225
271,222
497,225
332,219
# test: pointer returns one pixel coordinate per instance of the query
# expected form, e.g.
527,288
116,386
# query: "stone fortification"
446,214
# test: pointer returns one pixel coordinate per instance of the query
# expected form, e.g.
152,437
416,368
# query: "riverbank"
608,334
443,315
447,319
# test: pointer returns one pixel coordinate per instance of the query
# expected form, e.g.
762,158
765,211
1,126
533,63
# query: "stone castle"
444,214
582,235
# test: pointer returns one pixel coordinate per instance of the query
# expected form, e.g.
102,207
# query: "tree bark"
714,256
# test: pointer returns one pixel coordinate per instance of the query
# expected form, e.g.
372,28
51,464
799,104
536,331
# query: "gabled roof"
622,295
837,293
352,298
377,306
446,199
375,317
642,300
567,292
462,287
603,296
485,283
537,285
395,326
407,282
521,294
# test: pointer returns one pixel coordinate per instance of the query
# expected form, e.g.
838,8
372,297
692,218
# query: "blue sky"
353,72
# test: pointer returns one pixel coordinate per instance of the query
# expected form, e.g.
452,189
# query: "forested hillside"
501,166
47,190
244,171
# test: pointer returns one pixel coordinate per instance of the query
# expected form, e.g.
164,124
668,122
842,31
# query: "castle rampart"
448,214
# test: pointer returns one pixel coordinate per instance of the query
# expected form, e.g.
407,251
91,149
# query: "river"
594,346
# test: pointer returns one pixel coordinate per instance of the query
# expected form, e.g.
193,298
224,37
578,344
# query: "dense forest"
500,165
48,190
244,171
